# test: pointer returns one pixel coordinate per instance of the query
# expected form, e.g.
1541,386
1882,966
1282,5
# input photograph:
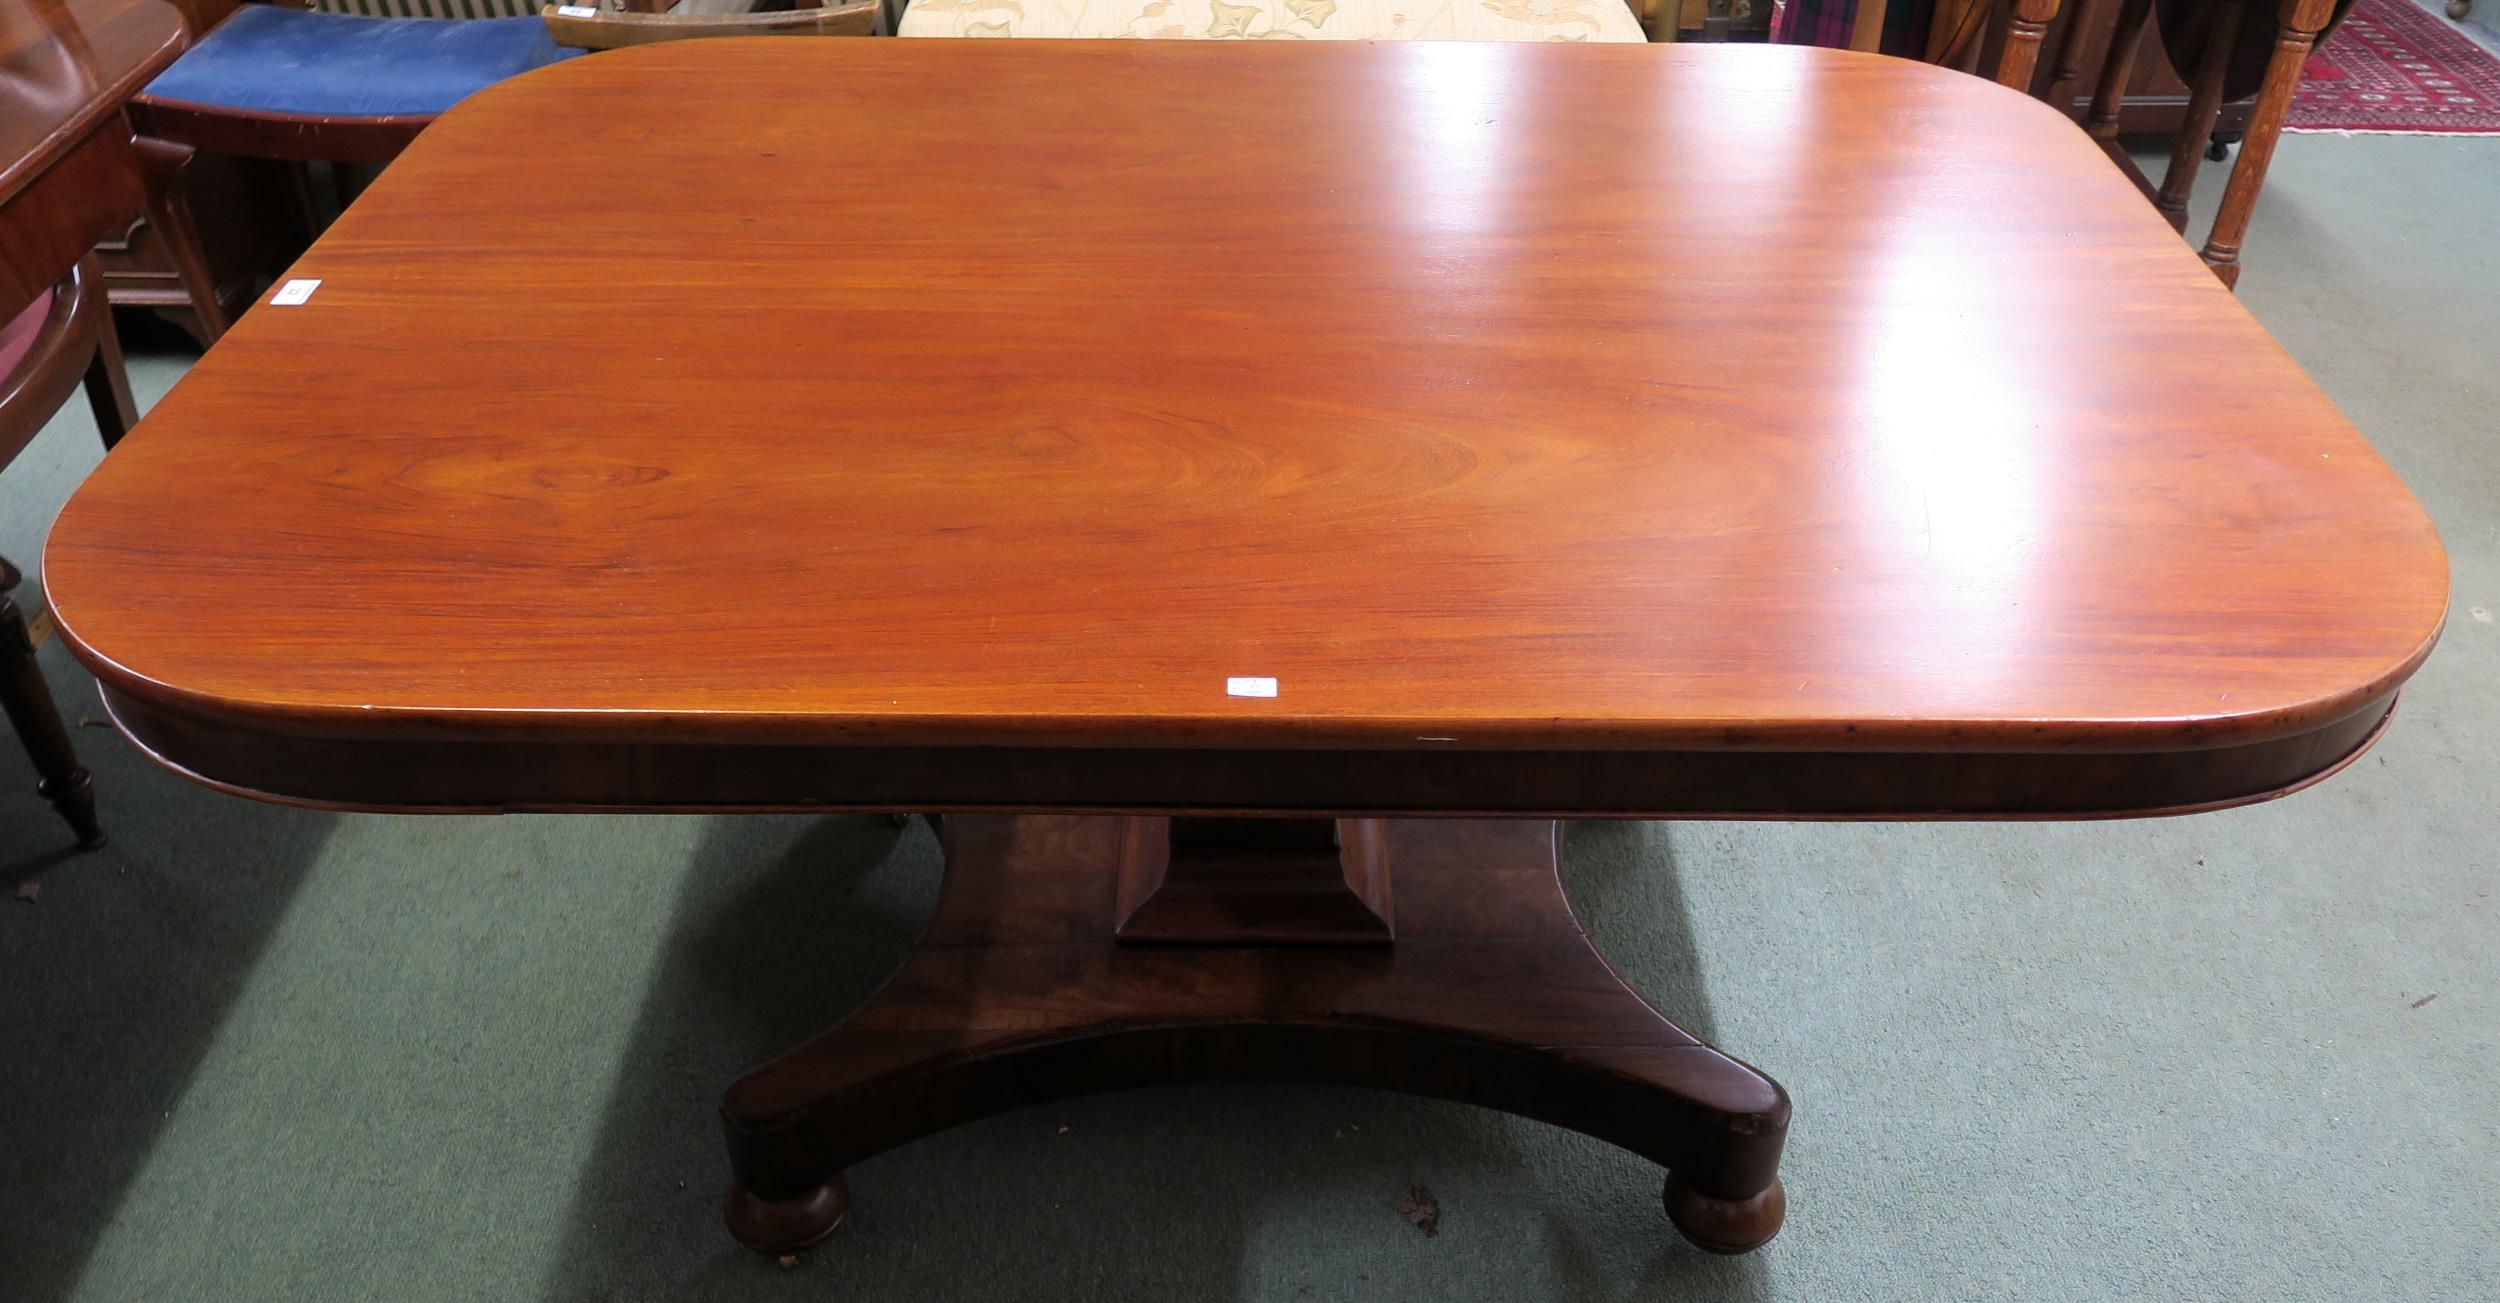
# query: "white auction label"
294,292
578,11
1250,687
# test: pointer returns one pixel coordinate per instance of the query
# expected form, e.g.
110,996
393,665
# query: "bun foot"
1718,1225
781,1227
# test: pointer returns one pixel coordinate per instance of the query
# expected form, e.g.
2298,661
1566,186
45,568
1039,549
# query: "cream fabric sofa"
1280,20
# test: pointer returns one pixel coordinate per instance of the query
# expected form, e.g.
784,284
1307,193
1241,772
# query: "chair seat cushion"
17,335
1291,20
271,59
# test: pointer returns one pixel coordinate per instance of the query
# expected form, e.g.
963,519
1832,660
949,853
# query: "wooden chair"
61,341
642,22
69,176
275,81
2224,49
2230,48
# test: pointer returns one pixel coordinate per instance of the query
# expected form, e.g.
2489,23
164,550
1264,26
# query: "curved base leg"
1070,955
1725,1225
785,1226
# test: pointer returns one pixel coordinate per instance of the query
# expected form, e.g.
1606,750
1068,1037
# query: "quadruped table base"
1073,954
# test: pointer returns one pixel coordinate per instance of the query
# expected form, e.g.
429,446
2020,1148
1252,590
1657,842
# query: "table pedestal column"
1073,954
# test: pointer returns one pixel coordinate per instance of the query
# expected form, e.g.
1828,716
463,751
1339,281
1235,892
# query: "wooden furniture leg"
1074,954
1866,26
2204,106
2300,20
2110,95
2066,71
2030,22
28,699
1659,19
161,164
107,379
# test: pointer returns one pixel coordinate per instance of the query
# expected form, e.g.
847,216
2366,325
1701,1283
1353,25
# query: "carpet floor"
2393,66
257,1053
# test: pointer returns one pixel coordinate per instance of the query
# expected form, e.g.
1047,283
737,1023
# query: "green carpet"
254,1053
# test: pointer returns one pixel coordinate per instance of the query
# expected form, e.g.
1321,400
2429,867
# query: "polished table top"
65,64
1488,398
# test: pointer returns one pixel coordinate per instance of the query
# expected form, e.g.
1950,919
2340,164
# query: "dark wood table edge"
469,776
2240,730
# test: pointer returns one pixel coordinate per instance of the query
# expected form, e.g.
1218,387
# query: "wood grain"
1017,413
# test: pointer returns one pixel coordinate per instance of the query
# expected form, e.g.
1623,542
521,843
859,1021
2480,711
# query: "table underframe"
1071,954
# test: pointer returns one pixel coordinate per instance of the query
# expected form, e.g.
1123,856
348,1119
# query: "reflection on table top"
1479,395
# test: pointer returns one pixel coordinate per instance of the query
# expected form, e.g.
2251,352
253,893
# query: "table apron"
91,192
474,776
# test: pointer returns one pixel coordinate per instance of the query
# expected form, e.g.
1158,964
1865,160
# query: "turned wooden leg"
2023,31
1484,988
2300,22
107,380
2066,71
2204,107
2110,94
161,164
28,699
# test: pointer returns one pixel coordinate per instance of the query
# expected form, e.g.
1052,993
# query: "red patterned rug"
2395,67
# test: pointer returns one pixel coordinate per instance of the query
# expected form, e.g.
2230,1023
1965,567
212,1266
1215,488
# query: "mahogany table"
1253,492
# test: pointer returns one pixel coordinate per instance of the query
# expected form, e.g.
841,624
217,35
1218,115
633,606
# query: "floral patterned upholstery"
1285,20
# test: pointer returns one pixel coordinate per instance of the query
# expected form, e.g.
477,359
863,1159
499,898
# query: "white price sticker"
578,11
294,292
1250,687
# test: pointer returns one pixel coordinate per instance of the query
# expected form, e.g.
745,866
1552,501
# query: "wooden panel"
49,223
1011,414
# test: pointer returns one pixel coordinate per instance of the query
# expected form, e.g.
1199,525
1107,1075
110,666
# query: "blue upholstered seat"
271,59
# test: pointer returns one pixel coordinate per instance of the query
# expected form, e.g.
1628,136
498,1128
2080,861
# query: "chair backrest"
1958,28
594,26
